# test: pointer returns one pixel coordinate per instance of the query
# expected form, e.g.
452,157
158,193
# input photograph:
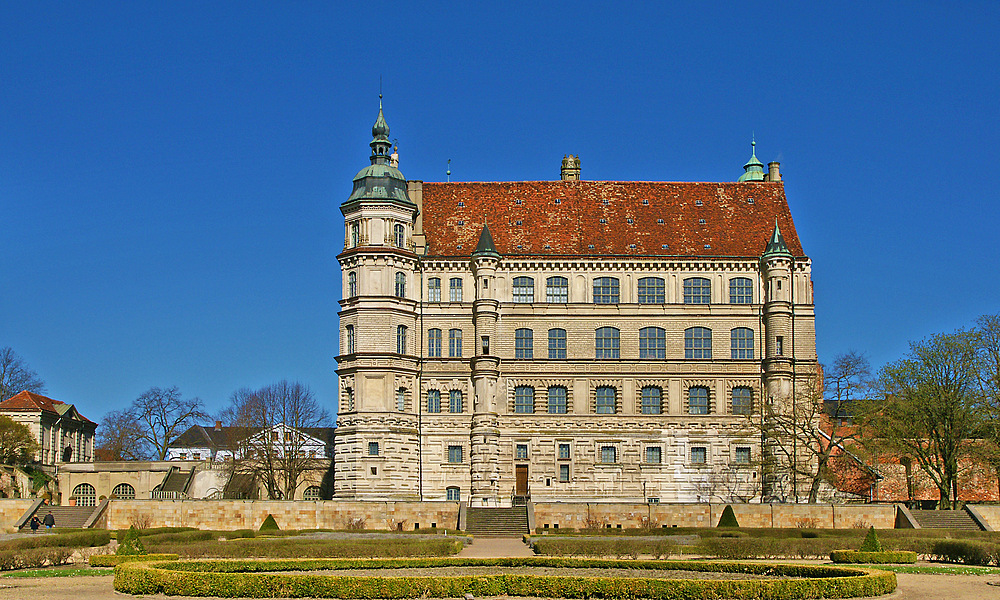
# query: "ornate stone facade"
565,340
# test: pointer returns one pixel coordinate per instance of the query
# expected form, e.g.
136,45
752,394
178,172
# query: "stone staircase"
497,522
945,519
65,516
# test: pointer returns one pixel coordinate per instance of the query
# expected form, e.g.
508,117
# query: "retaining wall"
11,510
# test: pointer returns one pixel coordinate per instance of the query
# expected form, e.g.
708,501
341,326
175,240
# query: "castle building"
566,340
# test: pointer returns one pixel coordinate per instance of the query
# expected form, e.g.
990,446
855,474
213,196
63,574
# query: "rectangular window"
521,452
652,342
698,400
606,290
653,455
557,343
563,451
433,401
372,448
652,400
455,454
455,401
651,290
455,289
740,291
434,289
779,345
455,343
742,456
524,399
401,399
401,339
606,404
557,400
563,473
609,455
350,339
697,290
523,343
699,455
434,343
557,290
454,494
524,290
742,401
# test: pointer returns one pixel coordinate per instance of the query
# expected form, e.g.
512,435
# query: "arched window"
524,290
455,289
311,493
606,342
454,494
399,233
698,342
605,401
85,495
401,339
742,401
651,290
606,290
434,289
400,285
455,401
557,343
740,290
123,491
352,284
698,400
557,400
652,400
434,343
742,342
652,342
349,332
524,399
524,343
455,343
433,401
557,290
697,290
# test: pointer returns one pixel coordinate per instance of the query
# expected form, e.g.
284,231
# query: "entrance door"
521,480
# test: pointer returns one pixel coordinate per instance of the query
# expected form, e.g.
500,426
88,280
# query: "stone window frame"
607,346
453,490
373,446
736,454
351,339
451,401
434,394
434,342
564,468
658,337
352,284
548,400
399,235
455,342
311,493
755,393
557,350
694,347
640,397
434,289
400,288
646,454
539,384
606,290
740,290
524,343
449,456
523,290
557,290
614,385
518,444
656,295
704,446
568,445
402,398
712,395
599,452
741,342
697,290
401,331
515,406
123,491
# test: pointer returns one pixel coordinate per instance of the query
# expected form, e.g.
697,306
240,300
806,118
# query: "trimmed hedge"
311,548
110,560
243,579
34,557
120,534
854,557
967,552
81,539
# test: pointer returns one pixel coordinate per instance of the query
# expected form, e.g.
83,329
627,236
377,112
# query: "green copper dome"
754,169
380,180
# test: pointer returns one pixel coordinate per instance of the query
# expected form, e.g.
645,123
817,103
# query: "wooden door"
521,480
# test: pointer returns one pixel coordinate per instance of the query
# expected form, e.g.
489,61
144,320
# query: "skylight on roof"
460,222
605,201
749,200
459,246
698,203
659,221
631,246
518,223
461,204
701,221
664,246
518,201
708,246
558,200
645,201
604,220
590,246
630,221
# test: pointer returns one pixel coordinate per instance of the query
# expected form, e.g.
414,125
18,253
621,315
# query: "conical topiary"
728,518
871,543
269,524
131,545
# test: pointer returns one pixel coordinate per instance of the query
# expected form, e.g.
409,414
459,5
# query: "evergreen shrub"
131,545
871,543
728,518
885,557
269,524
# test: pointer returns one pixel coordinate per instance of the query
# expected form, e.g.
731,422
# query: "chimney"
772,171
218,425
570,170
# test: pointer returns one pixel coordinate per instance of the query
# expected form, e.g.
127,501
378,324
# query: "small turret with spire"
754,169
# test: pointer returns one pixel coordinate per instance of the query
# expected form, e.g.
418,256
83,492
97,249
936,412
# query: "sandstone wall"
11,510
991,513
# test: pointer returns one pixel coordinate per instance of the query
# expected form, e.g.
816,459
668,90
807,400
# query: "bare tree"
930,409
987,338
120,437
16,376
17,444
278,444
162,415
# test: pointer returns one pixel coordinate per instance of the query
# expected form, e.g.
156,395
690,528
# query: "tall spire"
776,245
486,246
381,147
754,169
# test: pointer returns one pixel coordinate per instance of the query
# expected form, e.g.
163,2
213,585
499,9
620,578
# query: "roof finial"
448,172
380,92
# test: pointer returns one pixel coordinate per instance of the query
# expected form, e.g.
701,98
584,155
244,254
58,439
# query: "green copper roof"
380,130
776,245
485,245
754,169
380,180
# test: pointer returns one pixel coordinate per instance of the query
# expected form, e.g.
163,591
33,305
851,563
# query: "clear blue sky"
171,172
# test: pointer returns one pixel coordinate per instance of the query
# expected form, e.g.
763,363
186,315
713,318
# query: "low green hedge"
120,533
110,560
886,557
312,548
79,539
242,578
967,552
34,557
620,548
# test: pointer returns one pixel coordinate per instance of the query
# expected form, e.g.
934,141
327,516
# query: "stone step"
497,522
65,516
945,519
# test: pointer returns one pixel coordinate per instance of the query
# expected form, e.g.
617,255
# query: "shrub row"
306,548
34,557
884,557
620,548
81,539
967,552
110,560
120,534
228,578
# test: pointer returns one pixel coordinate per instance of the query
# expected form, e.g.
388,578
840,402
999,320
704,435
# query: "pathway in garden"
496,548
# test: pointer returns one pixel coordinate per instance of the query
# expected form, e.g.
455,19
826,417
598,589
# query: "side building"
568,340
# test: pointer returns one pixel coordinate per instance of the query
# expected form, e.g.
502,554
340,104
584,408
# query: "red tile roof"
29,401
562,218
